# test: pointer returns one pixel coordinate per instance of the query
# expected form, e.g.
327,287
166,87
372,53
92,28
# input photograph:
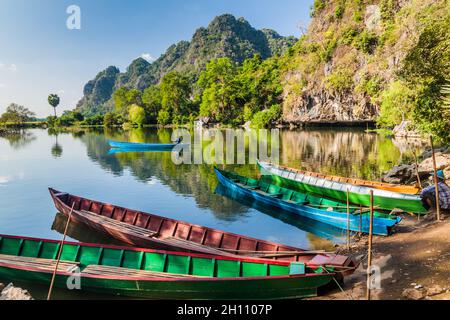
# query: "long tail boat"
133,146
306,205
147,230
386,196
156,274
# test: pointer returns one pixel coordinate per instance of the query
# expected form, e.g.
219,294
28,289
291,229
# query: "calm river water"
80,163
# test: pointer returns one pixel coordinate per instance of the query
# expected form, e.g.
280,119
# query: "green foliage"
175,94
137,115
52,121
69,118
396,106
366,42
17,114
339,11
445,95
164,117
152,100
388,9
358,11
268,117
348,35
93,121
370,86
340,81
110,119
328,51
124,98
220,90
426,68
317,6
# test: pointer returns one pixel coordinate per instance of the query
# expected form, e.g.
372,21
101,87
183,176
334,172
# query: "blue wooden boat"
306,205
133,146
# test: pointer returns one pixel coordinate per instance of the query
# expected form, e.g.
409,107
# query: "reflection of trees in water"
18,138
347,153
198,181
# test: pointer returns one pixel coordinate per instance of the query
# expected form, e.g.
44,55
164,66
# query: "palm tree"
53,100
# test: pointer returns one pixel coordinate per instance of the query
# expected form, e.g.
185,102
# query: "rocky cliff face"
351,52
225,36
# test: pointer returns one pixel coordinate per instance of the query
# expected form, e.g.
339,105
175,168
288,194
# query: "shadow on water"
317,230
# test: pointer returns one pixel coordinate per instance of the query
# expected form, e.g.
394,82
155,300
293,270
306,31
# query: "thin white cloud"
4,180
148,57
61,91
12,68
2,85
2,65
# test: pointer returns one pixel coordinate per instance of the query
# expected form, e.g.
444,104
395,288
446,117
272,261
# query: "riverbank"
414,263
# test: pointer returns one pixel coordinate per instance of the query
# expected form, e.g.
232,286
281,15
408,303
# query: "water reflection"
18,138
349,153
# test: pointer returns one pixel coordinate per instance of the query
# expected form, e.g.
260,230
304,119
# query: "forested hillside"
225,36
380,60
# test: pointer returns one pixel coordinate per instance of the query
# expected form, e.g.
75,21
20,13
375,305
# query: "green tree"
268,117
175,94
397,104
108,119
53,100
17,114
426,68
120,100
152,101
137,115
220,90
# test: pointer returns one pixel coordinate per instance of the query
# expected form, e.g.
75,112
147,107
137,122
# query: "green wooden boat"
156,274
358,194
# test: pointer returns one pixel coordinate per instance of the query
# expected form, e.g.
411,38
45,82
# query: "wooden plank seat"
118,225
132,273
38,263
197,247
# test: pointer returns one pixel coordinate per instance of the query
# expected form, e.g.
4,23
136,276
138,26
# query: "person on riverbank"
429,194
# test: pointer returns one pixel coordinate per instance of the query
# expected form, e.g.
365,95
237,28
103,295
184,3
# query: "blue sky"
40,55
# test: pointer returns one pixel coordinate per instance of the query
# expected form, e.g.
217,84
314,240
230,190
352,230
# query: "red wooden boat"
151,231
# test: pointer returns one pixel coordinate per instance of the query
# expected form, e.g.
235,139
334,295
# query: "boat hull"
130,146
155,274
258,289
357,223
408,203
227,243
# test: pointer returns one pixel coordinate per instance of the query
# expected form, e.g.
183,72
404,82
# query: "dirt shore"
416,258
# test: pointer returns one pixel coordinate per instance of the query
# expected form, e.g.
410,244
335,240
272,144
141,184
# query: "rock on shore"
13,293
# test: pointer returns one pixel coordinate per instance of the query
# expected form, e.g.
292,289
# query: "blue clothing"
444,194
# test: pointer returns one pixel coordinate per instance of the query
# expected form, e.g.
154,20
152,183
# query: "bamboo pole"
369,256
59,253
417,170
436,181
348,219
